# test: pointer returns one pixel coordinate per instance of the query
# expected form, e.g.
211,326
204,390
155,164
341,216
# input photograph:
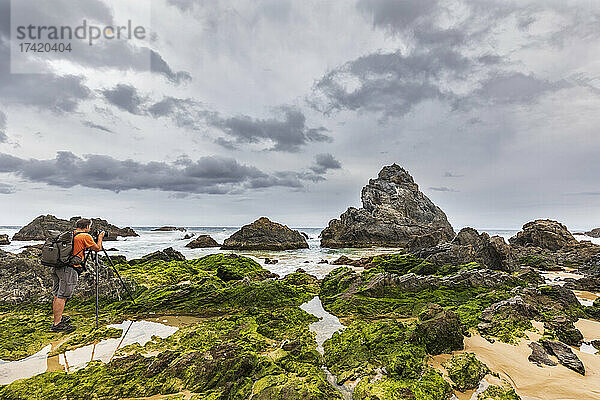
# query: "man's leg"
58,306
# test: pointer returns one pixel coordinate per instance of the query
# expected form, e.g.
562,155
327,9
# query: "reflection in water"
139,332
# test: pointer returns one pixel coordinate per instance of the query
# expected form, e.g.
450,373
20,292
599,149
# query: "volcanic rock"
263,234
39,228
394,213
544,233
4,240
564,354
202,241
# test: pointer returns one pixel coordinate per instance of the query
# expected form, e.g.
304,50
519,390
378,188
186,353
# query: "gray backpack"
57,251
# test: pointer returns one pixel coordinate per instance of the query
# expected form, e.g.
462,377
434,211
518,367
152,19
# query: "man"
65,278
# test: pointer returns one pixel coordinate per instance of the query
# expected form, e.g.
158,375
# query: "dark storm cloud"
6,189
288,133
92,125
325,162
124,97
211,174
3,137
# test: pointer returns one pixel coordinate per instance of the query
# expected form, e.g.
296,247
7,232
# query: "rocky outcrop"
264,234
394,213
469,246
595,233
564,330
544,233
564,354
39,228
168,254
439,330
23,279
4,240
202,241
168,229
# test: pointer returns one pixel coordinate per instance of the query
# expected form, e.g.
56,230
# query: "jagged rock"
439,330
39,228
564,330
413,283
469,246
394,213
23,279
364,262
515,306
305,235
4,240
271,261
539,355
322,261
564,354
168,229
465,371
202,241
595,233
188,236
544,233
263,234
168,254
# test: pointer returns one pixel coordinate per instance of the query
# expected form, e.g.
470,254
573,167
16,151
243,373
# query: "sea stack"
394,213
264,234
39,228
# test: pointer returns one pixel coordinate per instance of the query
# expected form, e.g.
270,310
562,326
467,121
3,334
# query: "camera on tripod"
96,232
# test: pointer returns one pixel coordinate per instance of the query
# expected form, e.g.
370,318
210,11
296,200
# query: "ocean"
288,261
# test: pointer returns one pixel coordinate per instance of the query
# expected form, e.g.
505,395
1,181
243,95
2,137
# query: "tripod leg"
112,265
97,277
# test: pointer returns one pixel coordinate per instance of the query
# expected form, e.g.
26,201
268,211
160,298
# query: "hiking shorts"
64,281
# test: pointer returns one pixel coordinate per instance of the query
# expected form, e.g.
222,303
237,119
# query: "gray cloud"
6,189
325,162
3,137
160,66
124,97
93,125
211,174
449,174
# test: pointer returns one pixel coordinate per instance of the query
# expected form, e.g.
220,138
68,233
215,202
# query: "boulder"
168,229
544,233
23,279
264,234
539,355
271,261
168,254
513,307
202,241
394,213
188,236
595,233
4,240
465,371
39,228
469,246
564,354
439,330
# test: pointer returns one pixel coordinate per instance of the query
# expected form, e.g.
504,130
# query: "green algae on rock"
494,392
465,371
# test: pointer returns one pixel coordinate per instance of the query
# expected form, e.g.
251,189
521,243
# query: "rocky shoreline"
445,315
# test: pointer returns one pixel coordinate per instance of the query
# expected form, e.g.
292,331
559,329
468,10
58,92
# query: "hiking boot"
62,327
65,319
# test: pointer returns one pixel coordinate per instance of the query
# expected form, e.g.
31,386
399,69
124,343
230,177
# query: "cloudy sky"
230,110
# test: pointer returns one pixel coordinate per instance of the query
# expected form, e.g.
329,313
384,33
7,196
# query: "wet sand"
589,329
530,381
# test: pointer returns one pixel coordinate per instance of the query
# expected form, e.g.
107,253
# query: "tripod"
95,258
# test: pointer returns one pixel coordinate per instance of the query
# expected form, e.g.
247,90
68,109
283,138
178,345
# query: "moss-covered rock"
438,330
430,386
89,336
465,371
494,392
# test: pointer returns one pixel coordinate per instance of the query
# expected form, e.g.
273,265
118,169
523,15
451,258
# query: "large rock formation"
544,233
4,240
394,213
202,241
595,233
263,234
39,228
168,229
